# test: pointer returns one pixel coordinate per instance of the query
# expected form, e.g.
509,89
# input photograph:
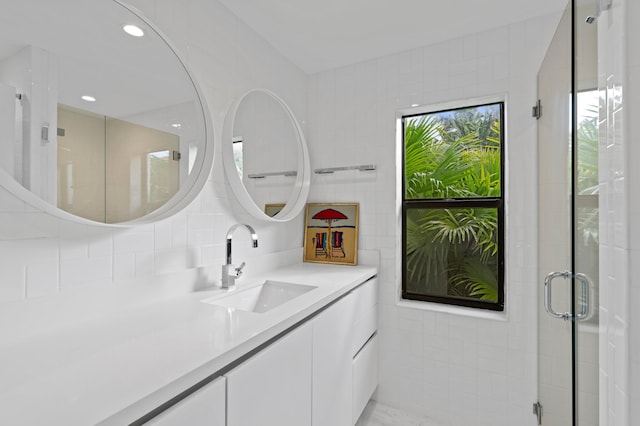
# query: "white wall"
227,59
618,69
7,120
34,74
459,369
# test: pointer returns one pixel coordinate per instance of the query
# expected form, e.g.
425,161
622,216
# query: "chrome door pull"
547,295
585,300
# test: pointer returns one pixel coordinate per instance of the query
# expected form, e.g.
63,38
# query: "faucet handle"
239,269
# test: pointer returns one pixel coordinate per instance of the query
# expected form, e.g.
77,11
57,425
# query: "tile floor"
376,414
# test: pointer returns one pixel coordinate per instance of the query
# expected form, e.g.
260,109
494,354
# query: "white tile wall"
631,295
618,69
455,369
227,58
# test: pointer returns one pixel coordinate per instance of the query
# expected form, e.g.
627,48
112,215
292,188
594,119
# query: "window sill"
453,310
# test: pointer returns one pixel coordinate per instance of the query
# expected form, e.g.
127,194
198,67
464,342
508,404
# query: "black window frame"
497,203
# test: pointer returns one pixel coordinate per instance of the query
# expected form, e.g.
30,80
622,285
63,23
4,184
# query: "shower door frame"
565,380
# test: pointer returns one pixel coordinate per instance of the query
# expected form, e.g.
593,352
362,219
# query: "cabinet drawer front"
366,296
365,376
365,314
273,388
363,328
204,407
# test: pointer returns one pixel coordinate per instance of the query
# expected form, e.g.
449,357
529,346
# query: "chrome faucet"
229,272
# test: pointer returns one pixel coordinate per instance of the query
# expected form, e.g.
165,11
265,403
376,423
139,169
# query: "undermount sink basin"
263,297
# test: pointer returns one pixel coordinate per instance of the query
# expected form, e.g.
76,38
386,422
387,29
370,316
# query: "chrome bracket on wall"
537,410
536,111
329,170
44,132
287,173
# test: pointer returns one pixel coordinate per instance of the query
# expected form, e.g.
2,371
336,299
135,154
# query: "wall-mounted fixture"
44,132
264,175
329,170
601,5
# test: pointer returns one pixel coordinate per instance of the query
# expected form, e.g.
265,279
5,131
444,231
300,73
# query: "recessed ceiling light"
415,105
88,98
176,125
133,30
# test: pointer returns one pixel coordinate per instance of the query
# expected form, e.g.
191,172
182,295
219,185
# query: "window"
453,206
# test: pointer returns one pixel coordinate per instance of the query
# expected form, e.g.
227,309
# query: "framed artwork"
273,209
331,233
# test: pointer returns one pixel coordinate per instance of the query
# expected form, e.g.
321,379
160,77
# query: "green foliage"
587,176
587,157
477,279
432,166
453,251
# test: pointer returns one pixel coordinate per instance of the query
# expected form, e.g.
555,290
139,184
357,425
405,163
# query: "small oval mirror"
265,156
99,118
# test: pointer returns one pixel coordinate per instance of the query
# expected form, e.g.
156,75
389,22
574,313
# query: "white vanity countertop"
115,369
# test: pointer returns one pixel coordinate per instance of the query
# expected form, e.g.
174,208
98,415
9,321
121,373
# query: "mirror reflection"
98,116
265,147
265,156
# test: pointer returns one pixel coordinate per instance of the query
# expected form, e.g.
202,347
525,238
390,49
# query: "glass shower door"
568,225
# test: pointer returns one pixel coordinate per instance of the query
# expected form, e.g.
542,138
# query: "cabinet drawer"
206,407
273,388
365,314
365,376
366,296
363,328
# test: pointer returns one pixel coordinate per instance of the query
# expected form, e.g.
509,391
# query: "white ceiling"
321,35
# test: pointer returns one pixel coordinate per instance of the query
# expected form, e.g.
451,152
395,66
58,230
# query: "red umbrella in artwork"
329,215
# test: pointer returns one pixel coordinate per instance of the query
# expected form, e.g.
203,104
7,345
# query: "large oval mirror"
99,118
265,156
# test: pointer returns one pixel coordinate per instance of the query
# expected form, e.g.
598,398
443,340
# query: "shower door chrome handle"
585,300
547,294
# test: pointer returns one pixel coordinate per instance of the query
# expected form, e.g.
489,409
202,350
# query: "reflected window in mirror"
237,153
113,170
161,183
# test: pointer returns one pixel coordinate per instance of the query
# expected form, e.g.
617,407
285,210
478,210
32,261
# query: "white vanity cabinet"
364,349
205,407
345,357
364,376
332,333
273,388
319,373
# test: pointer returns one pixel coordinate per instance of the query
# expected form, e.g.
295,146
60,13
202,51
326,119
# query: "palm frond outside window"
453,209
